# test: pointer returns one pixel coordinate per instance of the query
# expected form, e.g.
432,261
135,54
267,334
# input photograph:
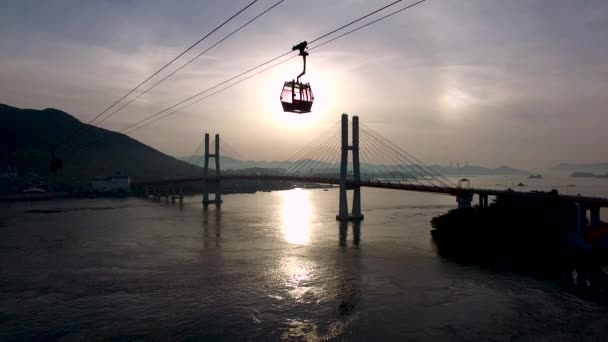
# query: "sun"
456,100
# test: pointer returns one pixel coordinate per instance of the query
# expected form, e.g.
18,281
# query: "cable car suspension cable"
191,60
264,70
259,72
263,64
157,72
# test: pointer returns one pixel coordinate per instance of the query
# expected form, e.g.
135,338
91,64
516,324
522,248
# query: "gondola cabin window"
296,97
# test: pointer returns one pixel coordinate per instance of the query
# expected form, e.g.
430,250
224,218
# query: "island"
583,175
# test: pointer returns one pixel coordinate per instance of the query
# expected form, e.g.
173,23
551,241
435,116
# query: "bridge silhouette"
374,162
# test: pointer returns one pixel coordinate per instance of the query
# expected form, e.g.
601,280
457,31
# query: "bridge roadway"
398,185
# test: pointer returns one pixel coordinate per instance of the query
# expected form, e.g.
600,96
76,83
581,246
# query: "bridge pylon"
218,189
356,214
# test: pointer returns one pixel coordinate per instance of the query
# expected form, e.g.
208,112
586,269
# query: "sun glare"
296,214
456,100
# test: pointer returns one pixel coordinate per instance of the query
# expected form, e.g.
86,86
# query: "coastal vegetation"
533,235
508,230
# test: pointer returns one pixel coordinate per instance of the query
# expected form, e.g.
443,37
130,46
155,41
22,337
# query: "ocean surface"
270,266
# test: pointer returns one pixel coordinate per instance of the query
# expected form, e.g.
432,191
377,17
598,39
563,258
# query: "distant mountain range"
27,136
597,168
470,170
475,170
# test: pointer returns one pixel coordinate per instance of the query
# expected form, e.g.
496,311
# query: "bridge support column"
483,200
181,193
594,217
580,218
464,200
356,214
218,189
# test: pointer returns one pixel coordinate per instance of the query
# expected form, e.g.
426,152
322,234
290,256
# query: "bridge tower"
356,214
218,189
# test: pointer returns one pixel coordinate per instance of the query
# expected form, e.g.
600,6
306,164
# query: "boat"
521,184
34,196
583,174
536,176
33,191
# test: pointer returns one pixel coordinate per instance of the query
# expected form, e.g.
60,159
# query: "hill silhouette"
567,168
469,170
27,137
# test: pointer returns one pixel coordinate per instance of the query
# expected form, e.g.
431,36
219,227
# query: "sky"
490,82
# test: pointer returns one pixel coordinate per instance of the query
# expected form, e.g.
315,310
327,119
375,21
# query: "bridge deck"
386,184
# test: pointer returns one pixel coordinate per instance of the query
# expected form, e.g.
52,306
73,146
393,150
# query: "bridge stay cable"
294,162
230,156
309,159
413,161
387,161
194,153
387,164
199,159
367,162
296,156
416,161
231,149
323,153
398,166
369,157
379,158
399,160
333,159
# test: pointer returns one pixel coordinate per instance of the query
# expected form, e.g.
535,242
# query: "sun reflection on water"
296,214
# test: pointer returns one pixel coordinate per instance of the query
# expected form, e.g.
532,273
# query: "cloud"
492,82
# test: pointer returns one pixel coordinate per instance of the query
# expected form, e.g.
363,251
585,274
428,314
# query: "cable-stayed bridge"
350,155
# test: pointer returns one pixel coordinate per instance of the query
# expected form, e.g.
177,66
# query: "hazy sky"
491,82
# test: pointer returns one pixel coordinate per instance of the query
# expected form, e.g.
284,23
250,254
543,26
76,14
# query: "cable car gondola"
297,97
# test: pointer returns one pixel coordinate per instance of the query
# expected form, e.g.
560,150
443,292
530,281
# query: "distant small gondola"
297,97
